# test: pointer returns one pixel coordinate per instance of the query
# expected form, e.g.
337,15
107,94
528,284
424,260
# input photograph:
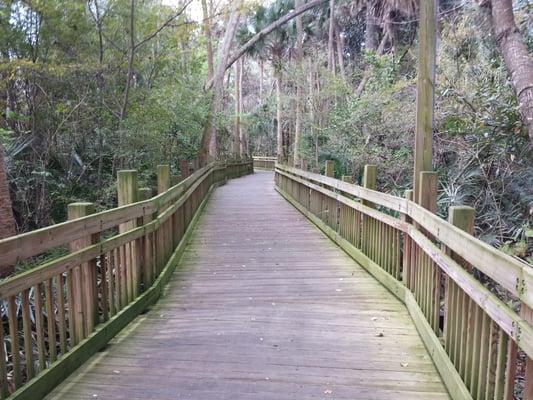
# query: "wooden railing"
441,272
56,315
267,163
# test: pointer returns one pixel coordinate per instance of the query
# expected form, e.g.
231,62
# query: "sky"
194,9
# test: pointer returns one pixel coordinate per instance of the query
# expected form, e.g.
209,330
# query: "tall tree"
516,55
299,87
208,39
208,146
7,221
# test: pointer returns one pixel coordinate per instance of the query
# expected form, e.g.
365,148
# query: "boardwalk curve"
263,306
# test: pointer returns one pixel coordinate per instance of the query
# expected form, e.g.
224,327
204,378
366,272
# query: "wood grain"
263,306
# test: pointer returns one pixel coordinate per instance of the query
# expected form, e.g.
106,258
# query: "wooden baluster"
14,336
61,313
4,389
369,182
39,327
104,266
407,260
527,314
51,320
26,326
84,277
127,188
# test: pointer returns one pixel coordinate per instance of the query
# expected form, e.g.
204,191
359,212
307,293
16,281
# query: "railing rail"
472,334
261,162
62,311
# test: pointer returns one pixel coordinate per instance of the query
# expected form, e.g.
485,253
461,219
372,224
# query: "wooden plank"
45,381
282,314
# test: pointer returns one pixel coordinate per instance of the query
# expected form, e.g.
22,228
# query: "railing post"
184,169
81,281
427,196
407,247
454,298
163,178
368,224
347,178
330,168
128,193
369,180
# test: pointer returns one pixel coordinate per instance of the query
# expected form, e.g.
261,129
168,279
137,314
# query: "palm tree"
272,47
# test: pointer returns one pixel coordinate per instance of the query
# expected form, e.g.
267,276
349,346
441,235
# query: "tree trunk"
242,136
340,50
208,39
261,79
7,221
280,154
366,75
517,58
265,32
208,146
331,37
131,58
372,27
299,88
237,129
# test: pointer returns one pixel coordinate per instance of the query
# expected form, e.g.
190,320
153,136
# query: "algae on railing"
472,335
61,312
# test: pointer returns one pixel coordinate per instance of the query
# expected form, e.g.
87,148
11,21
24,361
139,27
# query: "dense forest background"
89,87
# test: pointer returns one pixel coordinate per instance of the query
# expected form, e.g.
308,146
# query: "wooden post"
427,196
427,34
163,178
347,178
184,169
369,180
127,194
330,168
82,280
462,217
367,224
407,270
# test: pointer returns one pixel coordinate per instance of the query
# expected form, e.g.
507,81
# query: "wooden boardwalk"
263,306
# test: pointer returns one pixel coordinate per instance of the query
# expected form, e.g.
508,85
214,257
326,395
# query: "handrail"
513,274
480,333
262,162
74,304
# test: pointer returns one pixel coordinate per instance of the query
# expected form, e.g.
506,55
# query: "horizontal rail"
427,263
267,163
513,274
52,311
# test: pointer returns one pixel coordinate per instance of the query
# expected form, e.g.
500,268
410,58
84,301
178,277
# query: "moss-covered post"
163,178
81,281
330,168
128,192
427,195
369,181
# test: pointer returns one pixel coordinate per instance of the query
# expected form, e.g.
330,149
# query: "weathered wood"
163,178
83,279
329,169
245,307
427,39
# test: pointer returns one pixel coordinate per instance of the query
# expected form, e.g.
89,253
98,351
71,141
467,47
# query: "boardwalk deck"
264,306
